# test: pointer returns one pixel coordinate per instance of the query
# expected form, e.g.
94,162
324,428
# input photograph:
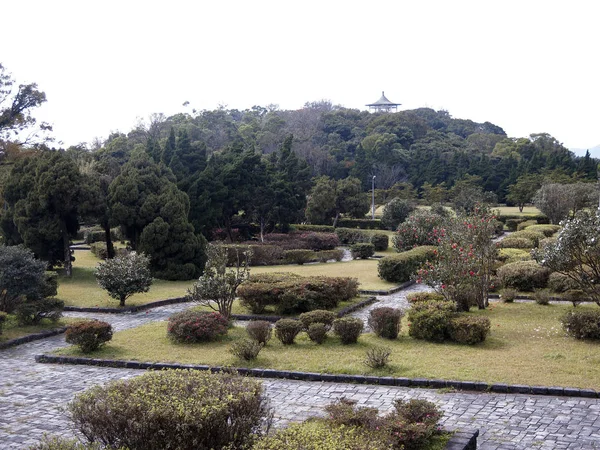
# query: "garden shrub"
317,316
98,249
196,326
286,330
516,242
526,224
412,425
377,357
298,256
421,228
546,230
60,443
50,286
32,312
364,224
262,254
508,295
541,296
320,241
533,236
344,412
575,296
197,409
399,268
582,323
21,276
348,329
89,335
416,297
348,236
385,321
3,317
362,250
512,224
510,255
318,228
560,282
260,330
430,320
467,329
317,332
523,275
246,349
395,212
327,255
380,241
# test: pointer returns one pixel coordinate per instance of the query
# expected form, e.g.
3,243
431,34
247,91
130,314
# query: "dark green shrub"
260,330
516,242
317,332
348,236
385,321
60,443
362,250
401,267
546,230
320,241
466,329
298,256
523,275
196,326
526,224
50,286
364,224
328,255
377,357
3,317
533,236
559,282
198,410
417,297
582,323
512,224
380,241
413,424
395,212
508,295
21,277
31,312
98,249
317,316
541,296
344,412
317,228
575,296
348,329
246,349
430,320
286,330
262,254
89,335
428,305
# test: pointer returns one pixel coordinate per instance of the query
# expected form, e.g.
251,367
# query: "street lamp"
373,199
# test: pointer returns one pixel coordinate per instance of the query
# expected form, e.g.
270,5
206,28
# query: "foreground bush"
582,324
317,332
348,329
260,330
286,330
177,409
523,275
385,321
469,330
298,256
196,326
399,268
59,443
362,250
89,335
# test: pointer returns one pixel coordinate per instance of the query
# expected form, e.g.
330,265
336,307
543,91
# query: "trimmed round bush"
467,329
412,424
348,329
534,236
286,330
317,332
196,326
89,335
246,349
399,268
362,250
511,255
523,275
197,409
380,241
547,230
516,242
298,256
508,295
260,331
385,321
582,323
429,320
348,236
328,255
541,297
526,224
395,212
558,282
317,316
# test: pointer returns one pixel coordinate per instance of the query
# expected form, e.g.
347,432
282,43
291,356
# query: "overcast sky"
527,66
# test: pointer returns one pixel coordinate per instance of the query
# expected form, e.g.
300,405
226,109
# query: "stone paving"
32,397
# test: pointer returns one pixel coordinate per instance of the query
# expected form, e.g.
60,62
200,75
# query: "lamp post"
373,199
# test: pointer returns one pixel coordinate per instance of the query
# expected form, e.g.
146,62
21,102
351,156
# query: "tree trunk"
262,230
110,248
337,215
67,253
122,301
521,207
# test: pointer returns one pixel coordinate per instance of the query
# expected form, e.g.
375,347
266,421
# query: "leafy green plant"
125,275
348,329
317,332
362,250
385,321
246,349
523,275
401,267
298,256
377,357
317,316
260,331
470,330
508,295
380,241
89,335
286,330
31,312
196,326
582,324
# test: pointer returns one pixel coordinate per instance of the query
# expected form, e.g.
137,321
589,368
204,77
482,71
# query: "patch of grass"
11,330
364,270
520,349
514,210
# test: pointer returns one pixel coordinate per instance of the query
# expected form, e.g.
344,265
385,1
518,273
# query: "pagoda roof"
383,101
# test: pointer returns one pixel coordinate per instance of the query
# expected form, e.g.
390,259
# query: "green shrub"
348,329
320,241
317,228
365,224
176,409
327,255
380,241
575,296
377,357
417,297
21,277
31,312
385,321
298,256
344,412
508,295
262,254
260,330
559,282
89,335
348,236
546,230
516,242
196,326
246,349
401,267
526,224
511,255
421,228
98,249
466,329
395,212
430,320
317,316
582,324
512,224
413,424
317,332
60,443
523,275
541,296
533,236
3,317
362,250
286,330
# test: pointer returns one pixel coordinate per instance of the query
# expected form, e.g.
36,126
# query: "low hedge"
196,326
317,228
89,335
286,330
262,254
523,275
466,329
516,242
546,230
417,297
298,256
511,255
526,224
348,236
365,224
362,250
539,218
401,267
582,324
534,236
558,282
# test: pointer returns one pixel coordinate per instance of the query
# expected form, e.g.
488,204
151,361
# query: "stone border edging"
32,337
462,440
500,388
390,291
127,309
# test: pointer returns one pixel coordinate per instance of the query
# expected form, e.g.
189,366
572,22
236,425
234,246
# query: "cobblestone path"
32,395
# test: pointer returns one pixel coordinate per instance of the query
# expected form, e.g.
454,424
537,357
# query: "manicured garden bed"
526,346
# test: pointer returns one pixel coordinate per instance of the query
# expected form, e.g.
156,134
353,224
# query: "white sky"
528,66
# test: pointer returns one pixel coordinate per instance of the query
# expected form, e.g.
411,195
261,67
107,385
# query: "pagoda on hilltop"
383,105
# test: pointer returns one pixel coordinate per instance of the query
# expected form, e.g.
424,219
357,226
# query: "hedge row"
399,268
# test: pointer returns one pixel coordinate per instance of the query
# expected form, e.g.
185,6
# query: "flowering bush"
89,335
196,326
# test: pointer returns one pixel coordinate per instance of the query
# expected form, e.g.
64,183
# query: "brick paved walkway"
32,395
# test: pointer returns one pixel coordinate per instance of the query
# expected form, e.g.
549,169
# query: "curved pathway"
32,397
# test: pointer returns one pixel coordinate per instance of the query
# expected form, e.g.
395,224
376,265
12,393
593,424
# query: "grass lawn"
526,346
11,330
364,270
527,210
